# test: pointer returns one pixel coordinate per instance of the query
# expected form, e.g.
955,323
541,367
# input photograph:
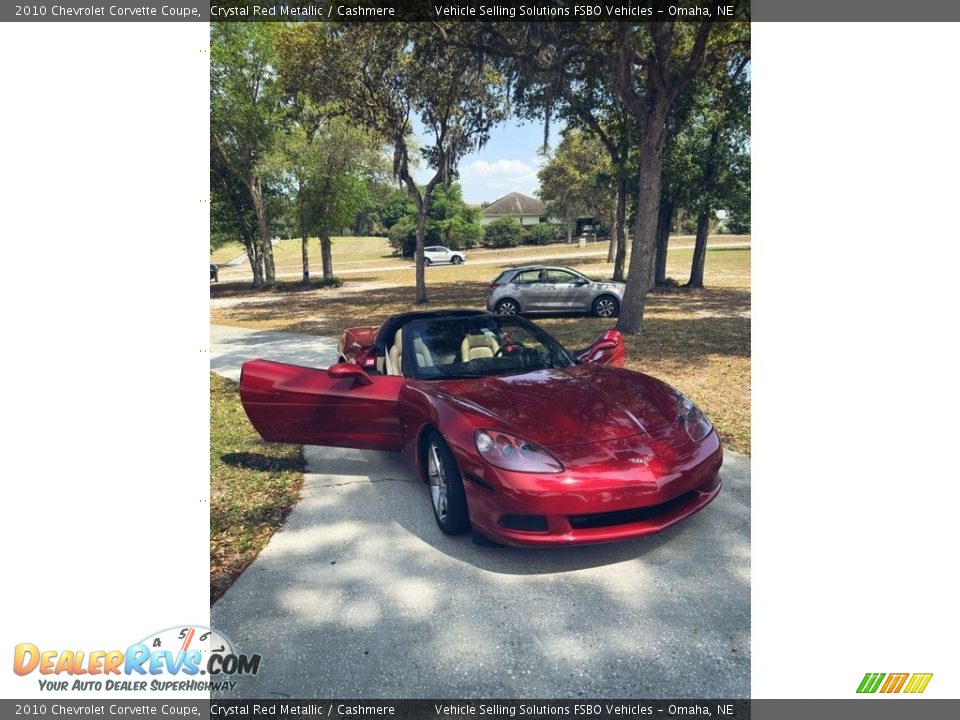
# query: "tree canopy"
384,76
309,121
576,180
247,115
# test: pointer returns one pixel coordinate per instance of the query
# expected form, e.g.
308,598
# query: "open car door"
608,349
340,406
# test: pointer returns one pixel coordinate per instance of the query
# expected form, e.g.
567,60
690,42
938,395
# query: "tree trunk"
256,266
326,256
645,232
664,216
621,232
266,244
421,232
304,255
699,251
703,220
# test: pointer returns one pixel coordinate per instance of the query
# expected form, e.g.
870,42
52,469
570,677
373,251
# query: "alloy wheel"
606,307
439,485
507,307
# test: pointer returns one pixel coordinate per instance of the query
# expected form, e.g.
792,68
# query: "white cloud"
483,180
500,171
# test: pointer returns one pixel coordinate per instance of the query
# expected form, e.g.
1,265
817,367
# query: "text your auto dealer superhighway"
117,11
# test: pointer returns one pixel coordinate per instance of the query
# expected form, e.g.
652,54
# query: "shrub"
464,234
542,234
403,237
503,233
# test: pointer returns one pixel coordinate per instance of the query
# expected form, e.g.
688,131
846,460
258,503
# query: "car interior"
393,361
477,346
441,349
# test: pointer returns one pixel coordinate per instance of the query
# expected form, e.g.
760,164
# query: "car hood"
571,406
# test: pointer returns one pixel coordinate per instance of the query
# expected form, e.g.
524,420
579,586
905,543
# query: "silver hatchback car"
539,288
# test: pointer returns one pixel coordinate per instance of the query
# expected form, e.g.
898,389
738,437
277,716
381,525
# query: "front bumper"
604,501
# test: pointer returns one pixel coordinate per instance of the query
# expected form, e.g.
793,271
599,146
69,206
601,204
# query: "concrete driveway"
361,595
230,347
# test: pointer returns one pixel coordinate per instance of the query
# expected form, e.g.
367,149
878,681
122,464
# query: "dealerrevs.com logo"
179,659
894,682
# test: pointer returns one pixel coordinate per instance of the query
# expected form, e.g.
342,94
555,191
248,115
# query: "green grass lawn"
253,485
226,253
353,253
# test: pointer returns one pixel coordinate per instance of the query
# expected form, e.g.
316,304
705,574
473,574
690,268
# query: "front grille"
625,517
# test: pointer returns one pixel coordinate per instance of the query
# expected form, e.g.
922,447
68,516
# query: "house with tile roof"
528,210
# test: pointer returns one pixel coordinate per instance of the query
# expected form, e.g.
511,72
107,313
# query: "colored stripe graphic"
918,682
870,682
894,682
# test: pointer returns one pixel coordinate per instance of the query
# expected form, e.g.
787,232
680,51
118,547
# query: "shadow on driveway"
361,595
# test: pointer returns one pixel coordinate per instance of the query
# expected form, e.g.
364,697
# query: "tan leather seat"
478,346
424,356
395,355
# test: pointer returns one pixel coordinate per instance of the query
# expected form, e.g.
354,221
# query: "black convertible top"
390,326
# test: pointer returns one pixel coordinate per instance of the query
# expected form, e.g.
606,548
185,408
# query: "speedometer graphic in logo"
192,649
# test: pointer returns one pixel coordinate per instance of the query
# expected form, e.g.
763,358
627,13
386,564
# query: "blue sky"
508,162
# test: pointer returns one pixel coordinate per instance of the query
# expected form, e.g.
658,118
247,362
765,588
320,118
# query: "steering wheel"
510,347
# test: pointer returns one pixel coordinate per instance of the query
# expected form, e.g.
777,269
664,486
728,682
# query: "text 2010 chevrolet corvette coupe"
518,438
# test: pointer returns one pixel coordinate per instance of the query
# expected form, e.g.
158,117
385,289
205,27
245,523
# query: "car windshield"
441,348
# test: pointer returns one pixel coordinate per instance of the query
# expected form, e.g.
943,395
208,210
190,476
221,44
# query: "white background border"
105,189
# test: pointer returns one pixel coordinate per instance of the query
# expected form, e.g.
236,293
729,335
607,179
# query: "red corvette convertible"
519,439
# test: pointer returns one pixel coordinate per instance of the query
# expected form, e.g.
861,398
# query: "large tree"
644,67
580,97
326,166
706,151
575,180
723,153
383,76
232,218
246,115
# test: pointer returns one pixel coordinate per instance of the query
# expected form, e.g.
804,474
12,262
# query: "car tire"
447,496
507,306
606,306
427,261
456,260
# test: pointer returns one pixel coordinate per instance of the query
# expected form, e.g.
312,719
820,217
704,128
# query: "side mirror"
349,370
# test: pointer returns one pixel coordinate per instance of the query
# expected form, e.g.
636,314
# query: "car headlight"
692,419
513,453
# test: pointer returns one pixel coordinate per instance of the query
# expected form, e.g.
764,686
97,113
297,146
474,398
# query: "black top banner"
381,10
474,10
